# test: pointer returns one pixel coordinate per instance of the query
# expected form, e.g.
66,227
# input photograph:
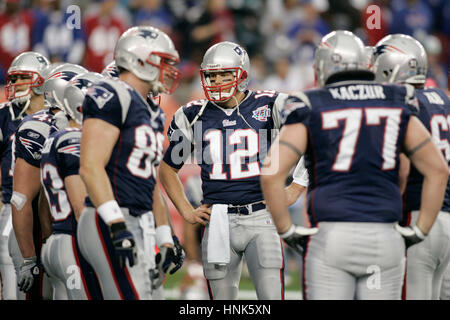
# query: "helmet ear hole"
244,75
141,63
79,109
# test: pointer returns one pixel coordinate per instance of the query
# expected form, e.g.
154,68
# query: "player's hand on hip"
179,255
296,237
200,215
164,258
124,244
411,235
27,272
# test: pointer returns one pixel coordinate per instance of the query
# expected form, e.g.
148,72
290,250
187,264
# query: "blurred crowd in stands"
279,35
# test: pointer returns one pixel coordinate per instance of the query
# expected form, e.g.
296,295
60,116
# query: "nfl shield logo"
262,113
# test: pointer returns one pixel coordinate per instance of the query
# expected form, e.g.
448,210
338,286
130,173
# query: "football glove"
179,255
29,270
411,235
124,244
163,260
297,236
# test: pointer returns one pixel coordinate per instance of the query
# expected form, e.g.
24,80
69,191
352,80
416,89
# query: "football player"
121,147
352,131
230,131
65,191
29,208
402,59
24,92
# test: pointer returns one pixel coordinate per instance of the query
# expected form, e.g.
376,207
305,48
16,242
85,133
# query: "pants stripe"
122,279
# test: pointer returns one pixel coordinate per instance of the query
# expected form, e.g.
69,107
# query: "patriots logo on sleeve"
291,104
73,149
33,147
100,95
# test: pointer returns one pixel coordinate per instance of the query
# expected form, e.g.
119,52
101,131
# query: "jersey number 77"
353,118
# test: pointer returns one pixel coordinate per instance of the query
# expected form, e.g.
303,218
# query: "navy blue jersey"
31,135
8,126
229,144
434,113
355,134
132,166
60,159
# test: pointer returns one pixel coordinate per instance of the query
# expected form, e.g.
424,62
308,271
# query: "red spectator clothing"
15,37
102,34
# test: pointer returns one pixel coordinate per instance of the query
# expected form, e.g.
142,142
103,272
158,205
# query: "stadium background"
279,35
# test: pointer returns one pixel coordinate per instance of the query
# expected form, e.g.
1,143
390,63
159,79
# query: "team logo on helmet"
65,75
147,34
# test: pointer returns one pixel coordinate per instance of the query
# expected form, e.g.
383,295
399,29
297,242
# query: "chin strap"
19,116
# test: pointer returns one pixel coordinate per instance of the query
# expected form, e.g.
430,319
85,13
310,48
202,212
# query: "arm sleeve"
29,144
411,101
296,109
68,158
277,109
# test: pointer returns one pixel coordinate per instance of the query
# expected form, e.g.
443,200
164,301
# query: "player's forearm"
174,188
97,184
293,191
45,218
275,196
23,229
160,211
433,191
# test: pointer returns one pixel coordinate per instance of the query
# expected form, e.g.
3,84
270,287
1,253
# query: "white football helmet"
75,92
225,56
56,82
400,58
150,55
339,51
111,71
31,64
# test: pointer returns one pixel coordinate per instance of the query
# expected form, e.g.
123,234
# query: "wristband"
288,233
110,211
419,232
163,235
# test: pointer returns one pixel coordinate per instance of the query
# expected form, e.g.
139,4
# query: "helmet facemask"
11,92
169,75
221,92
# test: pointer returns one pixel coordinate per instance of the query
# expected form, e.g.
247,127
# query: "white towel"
218,251
300,175
8,226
